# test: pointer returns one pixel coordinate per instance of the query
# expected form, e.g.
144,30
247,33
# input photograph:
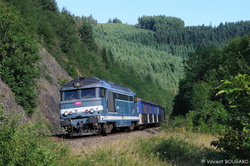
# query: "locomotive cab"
80,108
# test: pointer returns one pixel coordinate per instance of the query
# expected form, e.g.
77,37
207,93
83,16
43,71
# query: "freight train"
90,105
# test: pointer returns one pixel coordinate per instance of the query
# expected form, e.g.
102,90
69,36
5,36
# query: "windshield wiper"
73,95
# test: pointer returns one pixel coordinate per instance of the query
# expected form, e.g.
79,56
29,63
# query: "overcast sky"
192,12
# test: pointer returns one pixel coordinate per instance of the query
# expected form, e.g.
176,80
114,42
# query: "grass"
27,144
165,148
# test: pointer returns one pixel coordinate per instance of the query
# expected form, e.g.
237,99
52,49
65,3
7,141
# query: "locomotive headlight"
91,110
65,113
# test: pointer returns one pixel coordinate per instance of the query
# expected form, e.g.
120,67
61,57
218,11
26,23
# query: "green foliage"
87,38
25,144
171,30
237,91
107,58
115,20
179,123
148,50
176,151
89,20
61,81
201,94
211,117
205,68
153,74
200,79
50,5
236,139
18,56
160,23
227,111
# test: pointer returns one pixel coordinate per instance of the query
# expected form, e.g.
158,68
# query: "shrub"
236,139
22,144
177,150
28,145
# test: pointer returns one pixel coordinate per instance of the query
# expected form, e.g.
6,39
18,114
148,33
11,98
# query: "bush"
178,123
177,151
236,138
28,145
24,144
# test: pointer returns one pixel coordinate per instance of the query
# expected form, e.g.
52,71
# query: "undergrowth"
28,144
165,148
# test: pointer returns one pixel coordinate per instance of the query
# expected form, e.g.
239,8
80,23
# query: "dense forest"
156,46
172,31
200,74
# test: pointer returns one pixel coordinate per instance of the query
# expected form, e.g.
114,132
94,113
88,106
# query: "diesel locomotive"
90,105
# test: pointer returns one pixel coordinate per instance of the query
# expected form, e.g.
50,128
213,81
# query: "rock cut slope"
48,85
48,90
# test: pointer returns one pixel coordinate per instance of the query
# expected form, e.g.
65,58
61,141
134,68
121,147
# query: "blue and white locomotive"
92,105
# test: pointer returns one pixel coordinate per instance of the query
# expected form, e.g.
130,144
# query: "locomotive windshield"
88,93
70,95
81,94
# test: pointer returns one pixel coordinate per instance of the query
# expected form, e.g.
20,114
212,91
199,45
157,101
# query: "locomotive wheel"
132,127
106,129
94,128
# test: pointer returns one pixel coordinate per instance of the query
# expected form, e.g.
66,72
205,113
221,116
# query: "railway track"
88,140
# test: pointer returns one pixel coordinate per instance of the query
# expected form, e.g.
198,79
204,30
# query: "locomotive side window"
131,98
123,97
88,93
111,102
69,95
102,92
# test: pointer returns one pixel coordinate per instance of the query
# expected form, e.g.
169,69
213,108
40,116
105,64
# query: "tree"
87,37
236,139
18,57
107,58
197,71
48,5
115,20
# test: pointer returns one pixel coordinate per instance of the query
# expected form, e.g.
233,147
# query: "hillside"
148,63
155,48
156,68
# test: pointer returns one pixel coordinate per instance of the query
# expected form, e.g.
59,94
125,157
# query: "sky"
192,12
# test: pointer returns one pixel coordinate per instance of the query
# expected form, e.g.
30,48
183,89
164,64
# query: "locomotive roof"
93,82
